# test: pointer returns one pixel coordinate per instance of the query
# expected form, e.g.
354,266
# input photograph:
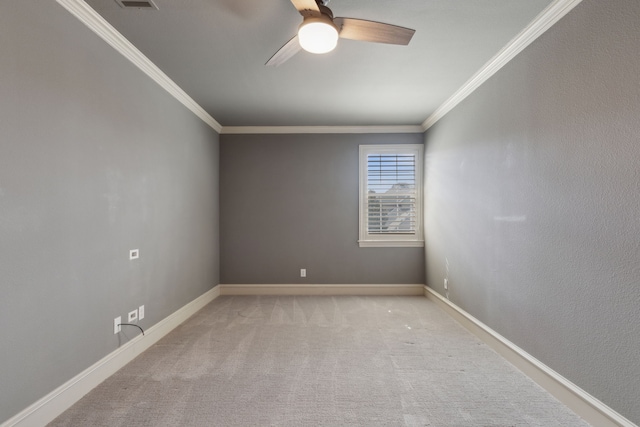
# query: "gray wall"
95,159
291,202
533,196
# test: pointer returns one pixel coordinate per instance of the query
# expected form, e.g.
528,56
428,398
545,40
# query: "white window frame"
391,240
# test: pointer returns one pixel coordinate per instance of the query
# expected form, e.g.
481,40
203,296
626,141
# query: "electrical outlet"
134,254
133,316
116,324
303,272
446,283
141,312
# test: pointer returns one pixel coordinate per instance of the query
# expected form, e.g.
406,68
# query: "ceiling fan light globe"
318,35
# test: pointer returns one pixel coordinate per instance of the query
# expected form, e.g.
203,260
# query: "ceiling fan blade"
306,7
285,52
371,31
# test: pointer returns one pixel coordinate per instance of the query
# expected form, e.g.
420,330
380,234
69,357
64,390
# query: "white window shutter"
390,195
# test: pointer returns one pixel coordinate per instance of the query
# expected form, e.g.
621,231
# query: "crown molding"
236,130
545,20
108,33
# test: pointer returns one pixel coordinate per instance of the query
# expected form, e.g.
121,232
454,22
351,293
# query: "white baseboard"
361,290
53,404
582,403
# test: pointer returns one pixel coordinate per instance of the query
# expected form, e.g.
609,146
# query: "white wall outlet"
133,316
141,312
116,324
134,254
446,283
303,272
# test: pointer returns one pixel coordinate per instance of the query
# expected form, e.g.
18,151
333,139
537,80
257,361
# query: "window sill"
391,243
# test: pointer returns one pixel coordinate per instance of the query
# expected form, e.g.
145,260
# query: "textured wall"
95,159
291,202
533,197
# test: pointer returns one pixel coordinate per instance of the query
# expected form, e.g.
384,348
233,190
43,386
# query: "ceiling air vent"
137,4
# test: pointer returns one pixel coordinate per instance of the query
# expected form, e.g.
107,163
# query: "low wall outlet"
141,312
116,324
303,272
134,254
133,316
446,283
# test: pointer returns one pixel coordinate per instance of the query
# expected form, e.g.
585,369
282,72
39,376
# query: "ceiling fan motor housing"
325,17
325,11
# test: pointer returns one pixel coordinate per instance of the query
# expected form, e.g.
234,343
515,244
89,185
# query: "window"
391,195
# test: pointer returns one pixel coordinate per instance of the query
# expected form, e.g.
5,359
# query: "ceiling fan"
319,31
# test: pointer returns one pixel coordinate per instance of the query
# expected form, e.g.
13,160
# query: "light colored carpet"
319,361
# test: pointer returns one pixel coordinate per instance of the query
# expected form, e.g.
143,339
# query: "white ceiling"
215,50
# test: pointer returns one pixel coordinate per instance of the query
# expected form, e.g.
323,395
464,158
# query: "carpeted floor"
319,361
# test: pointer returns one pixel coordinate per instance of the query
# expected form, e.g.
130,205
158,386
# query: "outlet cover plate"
116,324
